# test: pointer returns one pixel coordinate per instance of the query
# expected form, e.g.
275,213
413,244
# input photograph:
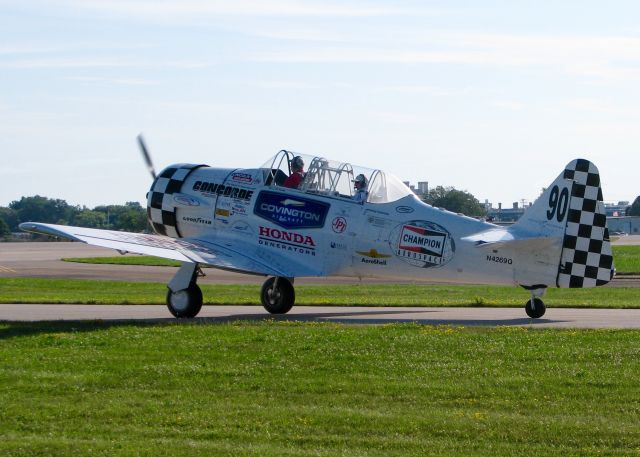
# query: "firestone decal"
289,212
422,244
288,241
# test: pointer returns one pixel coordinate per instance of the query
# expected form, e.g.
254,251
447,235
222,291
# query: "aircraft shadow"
17,329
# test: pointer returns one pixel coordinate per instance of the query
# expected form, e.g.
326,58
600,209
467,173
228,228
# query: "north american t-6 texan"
338,219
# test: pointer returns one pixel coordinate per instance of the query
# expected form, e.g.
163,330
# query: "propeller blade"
146,156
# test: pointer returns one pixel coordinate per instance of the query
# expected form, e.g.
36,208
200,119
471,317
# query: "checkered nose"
161,210
587,259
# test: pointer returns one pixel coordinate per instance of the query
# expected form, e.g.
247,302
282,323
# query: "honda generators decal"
422,244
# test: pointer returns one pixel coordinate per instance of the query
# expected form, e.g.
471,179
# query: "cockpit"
334,179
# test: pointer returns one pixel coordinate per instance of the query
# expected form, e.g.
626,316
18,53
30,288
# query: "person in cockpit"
297,173
360,185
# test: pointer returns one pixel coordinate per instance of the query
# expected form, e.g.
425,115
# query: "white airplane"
247,220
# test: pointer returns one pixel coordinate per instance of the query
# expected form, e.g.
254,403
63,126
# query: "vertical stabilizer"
586,259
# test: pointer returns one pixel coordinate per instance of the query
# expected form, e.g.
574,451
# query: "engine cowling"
188,200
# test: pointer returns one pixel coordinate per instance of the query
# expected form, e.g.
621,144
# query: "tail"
572,208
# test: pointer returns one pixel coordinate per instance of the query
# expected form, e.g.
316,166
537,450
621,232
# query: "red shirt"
294,180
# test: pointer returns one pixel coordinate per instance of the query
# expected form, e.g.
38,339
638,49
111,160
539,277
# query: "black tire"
280,300
536,309
185,303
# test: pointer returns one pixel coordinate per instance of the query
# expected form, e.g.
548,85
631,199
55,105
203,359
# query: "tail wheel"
186,302
277,295
535,308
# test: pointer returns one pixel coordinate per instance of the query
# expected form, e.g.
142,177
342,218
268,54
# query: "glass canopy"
333,178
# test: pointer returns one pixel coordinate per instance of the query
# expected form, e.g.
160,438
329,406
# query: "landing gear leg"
184,297
278,295
535,306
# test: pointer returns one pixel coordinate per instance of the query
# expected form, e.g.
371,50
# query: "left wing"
234,255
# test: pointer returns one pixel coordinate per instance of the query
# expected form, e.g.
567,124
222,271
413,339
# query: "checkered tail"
586,259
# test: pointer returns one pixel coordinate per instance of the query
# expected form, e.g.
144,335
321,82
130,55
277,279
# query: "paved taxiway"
555,317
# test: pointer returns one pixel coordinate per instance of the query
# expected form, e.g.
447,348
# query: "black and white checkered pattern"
586,259
161,209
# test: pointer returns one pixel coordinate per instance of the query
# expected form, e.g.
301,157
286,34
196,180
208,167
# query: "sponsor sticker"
196,220
290,212
244,178
404,209
186,200
287,241
339,224
210,189
422,243
373,257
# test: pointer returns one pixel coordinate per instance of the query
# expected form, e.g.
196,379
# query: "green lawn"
627,259
299,389
32,290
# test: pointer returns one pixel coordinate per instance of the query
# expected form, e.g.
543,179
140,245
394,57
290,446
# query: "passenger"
360,185
297,173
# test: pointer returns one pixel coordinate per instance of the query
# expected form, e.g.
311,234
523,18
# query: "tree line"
131,216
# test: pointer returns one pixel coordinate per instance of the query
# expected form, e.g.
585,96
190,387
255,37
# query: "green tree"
10,217
634,209
91,219
43,209
457,201
5,232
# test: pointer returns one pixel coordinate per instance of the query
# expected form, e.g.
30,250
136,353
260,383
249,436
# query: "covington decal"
288,212
422,244
288,241
220,189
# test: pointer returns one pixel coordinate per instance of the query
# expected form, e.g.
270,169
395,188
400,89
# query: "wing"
234,255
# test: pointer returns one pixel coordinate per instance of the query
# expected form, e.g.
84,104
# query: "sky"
492,97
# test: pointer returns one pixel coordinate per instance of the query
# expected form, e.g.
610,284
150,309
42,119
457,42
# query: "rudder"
586,259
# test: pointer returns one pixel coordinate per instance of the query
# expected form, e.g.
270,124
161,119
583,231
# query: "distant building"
421,190
616,210
627,224
502,215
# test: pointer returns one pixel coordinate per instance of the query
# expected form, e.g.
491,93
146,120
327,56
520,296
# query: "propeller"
146,156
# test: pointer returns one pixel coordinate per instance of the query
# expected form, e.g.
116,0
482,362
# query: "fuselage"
404,239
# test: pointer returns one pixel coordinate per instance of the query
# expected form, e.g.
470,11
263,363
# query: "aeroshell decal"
422,244
291,212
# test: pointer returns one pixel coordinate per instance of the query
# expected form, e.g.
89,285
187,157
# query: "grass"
299,389
627,259
146,260
33,290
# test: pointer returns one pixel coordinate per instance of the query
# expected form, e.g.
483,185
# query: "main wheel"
535,308
278,299
186,302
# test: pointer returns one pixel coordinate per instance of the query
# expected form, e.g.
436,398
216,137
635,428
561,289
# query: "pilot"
297,173
360,185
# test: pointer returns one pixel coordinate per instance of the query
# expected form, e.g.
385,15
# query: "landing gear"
535,306
186,302
277,295
184,297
